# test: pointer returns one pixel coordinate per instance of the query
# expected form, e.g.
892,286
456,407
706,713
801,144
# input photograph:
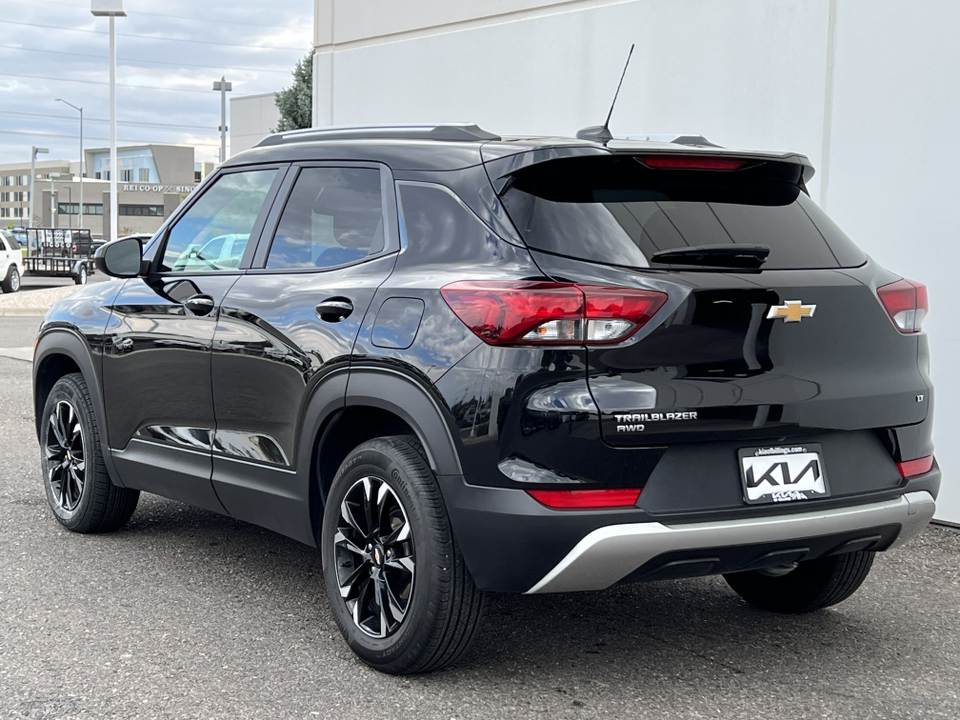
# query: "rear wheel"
81,277
397,584
811,585
11,283
79,490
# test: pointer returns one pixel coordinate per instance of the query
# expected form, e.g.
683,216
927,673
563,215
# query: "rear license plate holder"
787,473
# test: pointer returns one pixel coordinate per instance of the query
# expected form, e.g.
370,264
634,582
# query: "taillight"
906,303
691,162
545,313
586,499
912,468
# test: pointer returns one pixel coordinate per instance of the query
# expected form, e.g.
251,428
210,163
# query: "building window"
24,180
4,212
126,176
18,196
105,175
69,208
18,212
144,175
141,210
4,197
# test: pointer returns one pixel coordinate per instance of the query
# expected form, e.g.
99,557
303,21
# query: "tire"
812,585
79,490
81,277
11,283
413,562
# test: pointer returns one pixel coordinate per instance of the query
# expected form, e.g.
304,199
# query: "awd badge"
791,311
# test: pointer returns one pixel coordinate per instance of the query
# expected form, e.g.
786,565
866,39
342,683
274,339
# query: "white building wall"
251,118
744,73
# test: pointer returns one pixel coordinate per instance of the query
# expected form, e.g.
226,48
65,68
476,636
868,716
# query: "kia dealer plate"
782,474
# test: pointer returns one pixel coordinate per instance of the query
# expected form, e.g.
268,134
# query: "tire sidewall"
401,647
13,282
67,389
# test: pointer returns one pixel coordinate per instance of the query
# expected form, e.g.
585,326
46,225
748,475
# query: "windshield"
617,211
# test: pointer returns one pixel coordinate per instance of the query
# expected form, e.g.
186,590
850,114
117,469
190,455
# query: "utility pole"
53,200
33,171
80,210
223,87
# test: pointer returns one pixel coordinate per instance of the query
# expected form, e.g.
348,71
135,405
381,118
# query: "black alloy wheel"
399,590
375,561
65,456
78,487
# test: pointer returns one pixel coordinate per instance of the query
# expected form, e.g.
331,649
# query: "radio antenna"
601,133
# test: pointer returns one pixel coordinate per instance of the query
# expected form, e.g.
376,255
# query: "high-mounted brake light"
546,313
906,303
912,468
586,499
691,162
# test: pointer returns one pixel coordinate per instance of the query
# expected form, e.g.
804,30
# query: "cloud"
169,52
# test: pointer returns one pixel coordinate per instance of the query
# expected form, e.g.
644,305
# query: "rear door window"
615,210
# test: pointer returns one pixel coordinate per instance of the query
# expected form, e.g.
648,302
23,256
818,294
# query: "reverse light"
906,303
546,313
912,468
586,499
691,162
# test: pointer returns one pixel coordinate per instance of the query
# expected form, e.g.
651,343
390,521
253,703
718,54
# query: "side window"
334,216
213,234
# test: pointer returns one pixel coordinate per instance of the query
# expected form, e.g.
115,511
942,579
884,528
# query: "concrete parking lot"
187,614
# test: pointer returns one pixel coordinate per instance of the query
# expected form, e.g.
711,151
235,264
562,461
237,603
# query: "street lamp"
33,171
80,211
111,9
223,87
53,200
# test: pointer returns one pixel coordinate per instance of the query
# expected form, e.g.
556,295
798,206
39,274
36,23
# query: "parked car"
458,363
11,262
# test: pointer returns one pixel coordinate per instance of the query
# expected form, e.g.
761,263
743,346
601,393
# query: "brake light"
691,162
586,499
912,468
546,313
906,303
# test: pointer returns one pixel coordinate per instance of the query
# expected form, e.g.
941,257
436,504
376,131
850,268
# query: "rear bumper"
610,554
511,543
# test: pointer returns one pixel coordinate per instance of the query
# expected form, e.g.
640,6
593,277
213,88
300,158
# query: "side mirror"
121,258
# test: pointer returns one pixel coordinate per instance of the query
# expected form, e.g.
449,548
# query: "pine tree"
296,102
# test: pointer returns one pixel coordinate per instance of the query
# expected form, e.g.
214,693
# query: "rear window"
615,210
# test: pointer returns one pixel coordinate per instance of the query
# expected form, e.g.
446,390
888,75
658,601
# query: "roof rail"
691,140
449,132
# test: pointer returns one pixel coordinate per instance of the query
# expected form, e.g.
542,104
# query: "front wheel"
397,584
811,585
81,277
79,490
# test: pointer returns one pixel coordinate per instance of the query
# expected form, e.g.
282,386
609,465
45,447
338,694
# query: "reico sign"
182,189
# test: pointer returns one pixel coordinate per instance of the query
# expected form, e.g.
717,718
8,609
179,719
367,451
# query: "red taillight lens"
691,162
906,303
586,499
912,468
541,313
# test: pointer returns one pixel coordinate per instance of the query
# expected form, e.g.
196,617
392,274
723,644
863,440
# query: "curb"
23,312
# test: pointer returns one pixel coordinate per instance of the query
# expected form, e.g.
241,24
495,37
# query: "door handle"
335,309
199,304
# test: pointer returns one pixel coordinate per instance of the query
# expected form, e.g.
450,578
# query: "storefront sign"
181,189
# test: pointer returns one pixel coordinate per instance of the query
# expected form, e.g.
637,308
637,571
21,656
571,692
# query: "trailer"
59,252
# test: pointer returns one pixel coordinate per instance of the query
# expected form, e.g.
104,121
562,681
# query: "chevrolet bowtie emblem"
791,311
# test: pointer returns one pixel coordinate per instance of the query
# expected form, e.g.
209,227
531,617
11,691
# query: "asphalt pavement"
187,614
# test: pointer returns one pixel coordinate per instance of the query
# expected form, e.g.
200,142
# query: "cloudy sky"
169,52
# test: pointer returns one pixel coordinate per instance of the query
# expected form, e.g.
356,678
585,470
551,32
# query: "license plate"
782,474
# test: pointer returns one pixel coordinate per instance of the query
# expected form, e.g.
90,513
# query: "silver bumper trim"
609,554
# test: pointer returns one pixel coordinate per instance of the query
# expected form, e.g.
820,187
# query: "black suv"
459,363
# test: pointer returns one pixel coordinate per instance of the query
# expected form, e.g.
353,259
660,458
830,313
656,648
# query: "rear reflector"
691,162
912,468
906,303
586,499
546,313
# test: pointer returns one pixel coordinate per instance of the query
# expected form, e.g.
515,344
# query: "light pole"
111,9
223,87
33,171
80,210
53,200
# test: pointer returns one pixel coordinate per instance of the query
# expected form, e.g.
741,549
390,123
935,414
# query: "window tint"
223,217
334,216
617,211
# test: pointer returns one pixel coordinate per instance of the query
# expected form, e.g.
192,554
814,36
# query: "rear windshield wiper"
729,255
